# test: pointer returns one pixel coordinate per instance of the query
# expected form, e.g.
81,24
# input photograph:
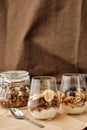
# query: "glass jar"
14,89
43,100
73,93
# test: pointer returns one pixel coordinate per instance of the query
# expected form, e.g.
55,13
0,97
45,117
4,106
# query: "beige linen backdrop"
45,37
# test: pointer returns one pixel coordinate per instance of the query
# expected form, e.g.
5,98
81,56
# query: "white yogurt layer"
70,110
45,114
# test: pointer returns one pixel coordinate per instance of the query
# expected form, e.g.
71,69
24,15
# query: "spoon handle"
33,122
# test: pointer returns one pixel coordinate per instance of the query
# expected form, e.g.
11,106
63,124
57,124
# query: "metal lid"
16,75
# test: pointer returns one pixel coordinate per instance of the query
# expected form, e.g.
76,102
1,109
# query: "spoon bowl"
17,113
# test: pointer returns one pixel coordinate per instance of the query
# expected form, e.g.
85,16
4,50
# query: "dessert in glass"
73,93
43,98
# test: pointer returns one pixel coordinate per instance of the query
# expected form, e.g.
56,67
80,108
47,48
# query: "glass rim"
73,74
37,78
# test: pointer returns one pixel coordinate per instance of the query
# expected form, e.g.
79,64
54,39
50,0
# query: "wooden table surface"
60,122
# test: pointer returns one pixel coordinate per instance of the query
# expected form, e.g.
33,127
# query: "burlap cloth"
44,37
60,122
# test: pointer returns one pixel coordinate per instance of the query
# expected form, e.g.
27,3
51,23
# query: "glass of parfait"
73,93
43,99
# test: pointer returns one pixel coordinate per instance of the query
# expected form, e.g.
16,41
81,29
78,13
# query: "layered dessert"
44,105
73,100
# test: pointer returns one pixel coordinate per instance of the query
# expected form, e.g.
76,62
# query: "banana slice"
49,95
37,96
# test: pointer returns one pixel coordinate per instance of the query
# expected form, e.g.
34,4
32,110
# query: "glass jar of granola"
14,88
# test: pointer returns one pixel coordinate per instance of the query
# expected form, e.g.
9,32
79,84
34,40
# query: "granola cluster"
43,101
74,98
14,94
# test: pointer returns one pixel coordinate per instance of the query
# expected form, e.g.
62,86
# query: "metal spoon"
19,115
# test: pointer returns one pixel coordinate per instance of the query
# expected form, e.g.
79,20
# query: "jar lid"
16,75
